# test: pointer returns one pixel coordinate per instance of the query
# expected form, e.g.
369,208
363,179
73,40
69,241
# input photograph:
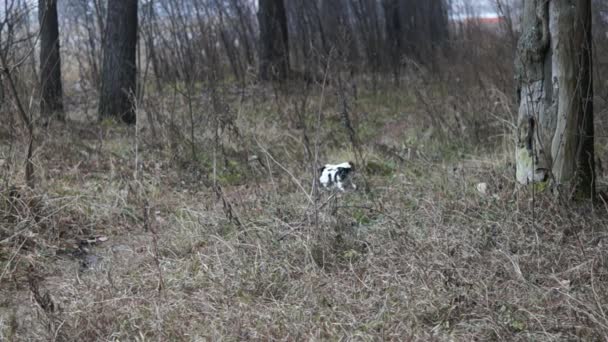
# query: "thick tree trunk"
118,80
51,99
555,118
274,47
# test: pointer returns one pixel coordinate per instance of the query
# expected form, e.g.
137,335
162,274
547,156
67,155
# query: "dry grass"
421,256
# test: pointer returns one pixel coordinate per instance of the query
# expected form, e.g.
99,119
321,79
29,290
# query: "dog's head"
337,176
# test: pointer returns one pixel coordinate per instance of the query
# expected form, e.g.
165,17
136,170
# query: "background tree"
85,20
393,22
337,28
274,44
51,100
118,81
415,29
369,31
555,118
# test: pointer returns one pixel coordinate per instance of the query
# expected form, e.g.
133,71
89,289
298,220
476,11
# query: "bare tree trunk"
438,23
244,28
274,47
148,36
394,34
118,83
555,119
416,29
51,101
368,23
335,19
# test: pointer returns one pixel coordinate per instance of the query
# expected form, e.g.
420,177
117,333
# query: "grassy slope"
421,256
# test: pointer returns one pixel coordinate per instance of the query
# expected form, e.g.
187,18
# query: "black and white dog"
337,176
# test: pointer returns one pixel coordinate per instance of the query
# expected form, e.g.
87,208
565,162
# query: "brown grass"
421,256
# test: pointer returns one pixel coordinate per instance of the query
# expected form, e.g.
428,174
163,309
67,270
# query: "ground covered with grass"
181,232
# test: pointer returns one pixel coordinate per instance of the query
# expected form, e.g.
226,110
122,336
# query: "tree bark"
51,97
555,117
274,44
118,83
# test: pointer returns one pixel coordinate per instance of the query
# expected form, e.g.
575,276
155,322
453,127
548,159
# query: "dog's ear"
352,165
321,169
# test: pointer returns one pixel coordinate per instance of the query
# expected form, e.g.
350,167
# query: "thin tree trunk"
394,33
118,84
243,29
555,119
51,100
27,121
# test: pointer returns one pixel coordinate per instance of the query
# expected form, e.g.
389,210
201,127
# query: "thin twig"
295,180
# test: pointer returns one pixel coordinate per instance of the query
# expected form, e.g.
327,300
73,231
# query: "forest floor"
223,237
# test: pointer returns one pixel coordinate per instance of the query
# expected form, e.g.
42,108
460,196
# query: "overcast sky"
482,8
